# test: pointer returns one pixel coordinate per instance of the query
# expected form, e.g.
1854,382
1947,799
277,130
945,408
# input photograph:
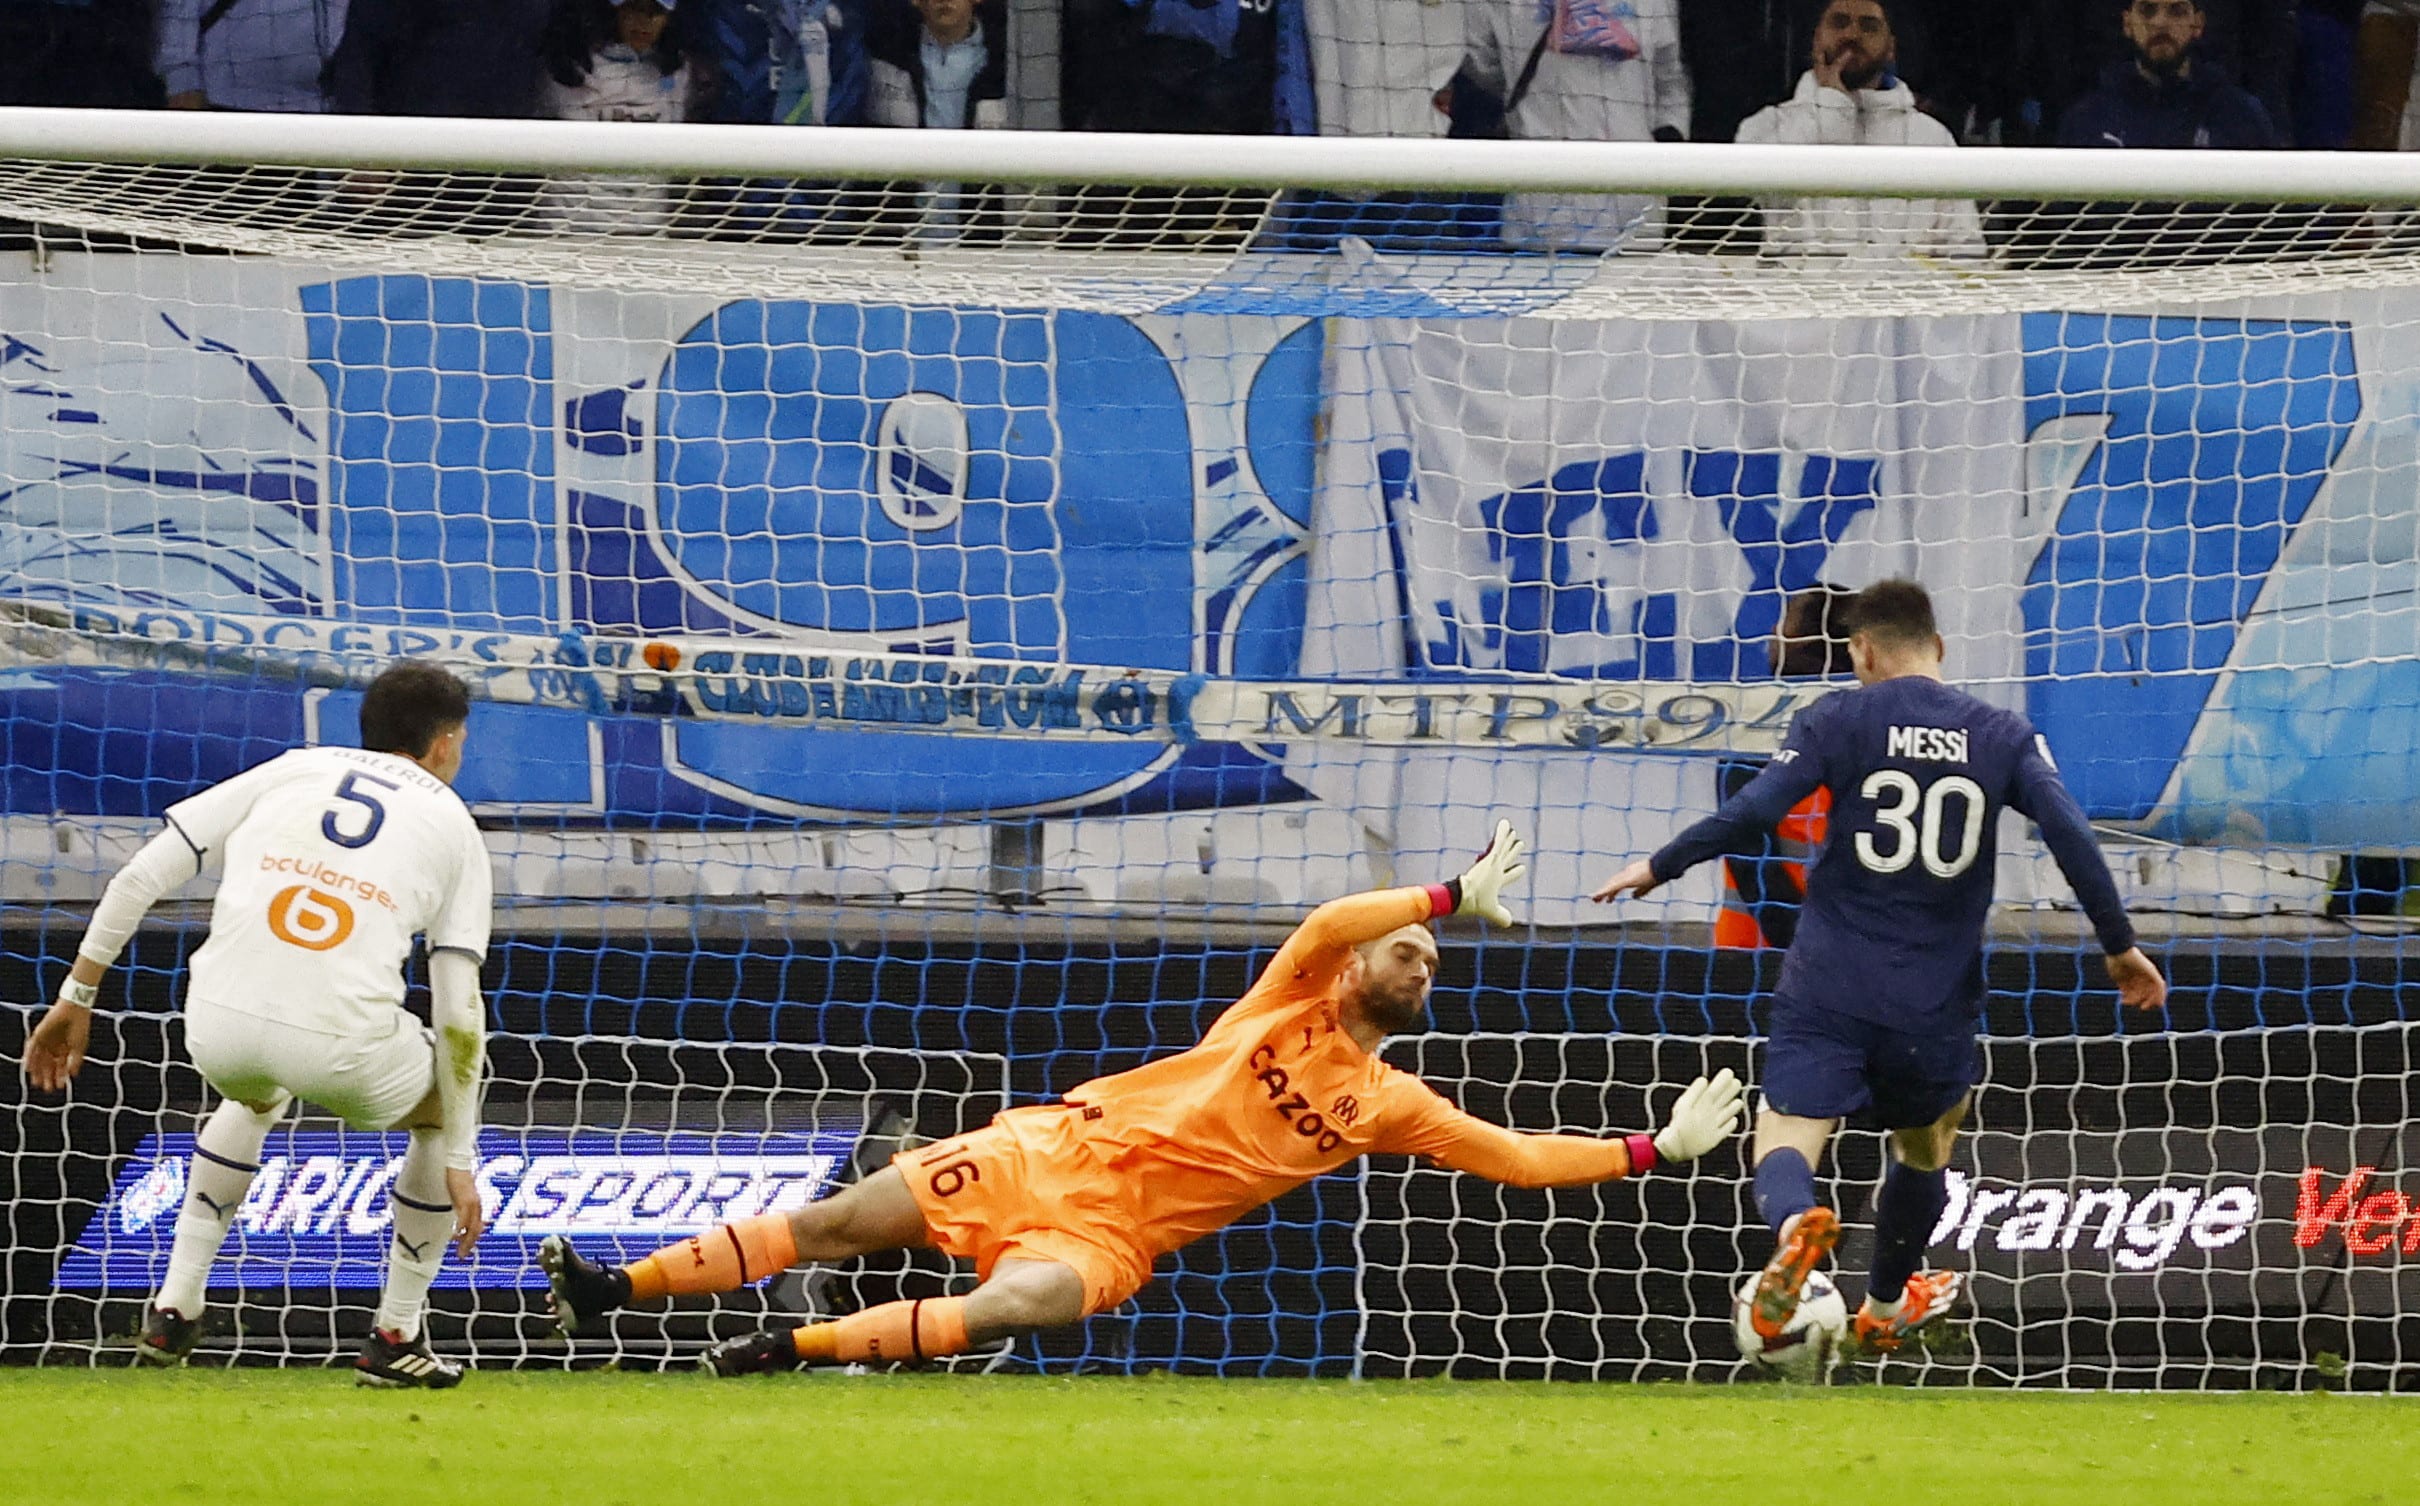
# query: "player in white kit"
331,860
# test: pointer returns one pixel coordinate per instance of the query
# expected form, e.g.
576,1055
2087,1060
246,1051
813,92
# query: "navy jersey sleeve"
1796,772
2037,792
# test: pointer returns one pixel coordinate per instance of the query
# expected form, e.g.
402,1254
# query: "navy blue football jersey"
1892,929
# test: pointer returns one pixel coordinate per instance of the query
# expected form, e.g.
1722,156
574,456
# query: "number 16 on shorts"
948,1170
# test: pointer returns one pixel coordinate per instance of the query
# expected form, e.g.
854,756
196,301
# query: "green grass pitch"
603,1439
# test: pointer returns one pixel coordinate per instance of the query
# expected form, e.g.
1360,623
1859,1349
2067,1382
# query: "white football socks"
424,1221
225,1155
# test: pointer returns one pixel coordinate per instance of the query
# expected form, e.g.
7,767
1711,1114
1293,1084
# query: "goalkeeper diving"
1063,1207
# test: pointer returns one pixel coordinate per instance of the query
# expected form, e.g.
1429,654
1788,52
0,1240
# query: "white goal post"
963,595
1375,162
1163,220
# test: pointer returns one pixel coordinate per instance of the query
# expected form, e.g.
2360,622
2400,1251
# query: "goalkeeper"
1063,1207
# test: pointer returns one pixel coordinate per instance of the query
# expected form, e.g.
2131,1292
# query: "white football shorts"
370,1082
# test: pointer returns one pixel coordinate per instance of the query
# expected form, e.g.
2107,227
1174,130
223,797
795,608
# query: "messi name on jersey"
1947,744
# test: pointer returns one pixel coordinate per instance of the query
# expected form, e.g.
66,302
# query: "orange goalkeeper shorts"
1029,1186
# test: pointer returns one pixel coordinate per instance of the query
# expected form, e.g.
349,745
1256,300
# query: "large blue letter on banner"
2219,436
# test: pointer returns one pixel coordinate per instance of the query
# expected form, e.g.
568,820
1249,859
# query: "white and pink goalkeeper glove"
1706,1115
1479,891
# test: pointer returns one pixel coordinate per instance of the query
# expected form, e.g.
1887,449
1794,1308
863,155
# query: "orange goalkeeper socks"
926,1329
722,1259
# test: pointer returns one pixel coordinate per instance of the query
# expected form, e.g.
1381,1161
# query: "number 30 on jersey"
1913,822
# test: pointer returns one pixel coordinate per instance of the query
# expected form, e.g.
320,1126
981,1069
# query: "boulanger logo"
310,918
313,871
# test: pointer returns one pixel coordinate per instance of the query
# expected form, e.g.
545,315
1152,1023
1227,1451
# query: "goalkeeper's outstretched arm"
1319,945
54,1053
1707,1113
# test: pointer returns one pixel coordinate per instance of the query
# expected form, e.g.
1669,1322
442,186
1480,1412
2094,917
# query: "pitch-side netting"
2172,1210
971,593
621,1144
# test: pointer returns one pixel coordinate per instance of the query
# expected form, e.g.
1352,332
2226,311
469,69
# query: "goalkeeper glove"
1708,1111
1477,891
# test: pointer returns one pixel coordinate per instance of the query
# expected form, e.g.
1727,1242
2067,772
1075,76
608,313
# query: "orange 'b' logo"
312,919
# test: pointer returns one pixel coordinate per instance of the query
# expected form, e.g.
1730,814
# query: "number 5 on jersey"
350,789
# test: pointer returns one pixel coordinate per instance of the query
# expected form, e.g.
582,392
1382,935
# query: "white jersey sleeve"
462,921
206,820
334,859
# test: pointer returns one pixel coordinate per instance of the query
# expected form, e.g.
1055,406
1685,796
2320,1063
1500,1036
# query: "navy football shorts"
1822,1064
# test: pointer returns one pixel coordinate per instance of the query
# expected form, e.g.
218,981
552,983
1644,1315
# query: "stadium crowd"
1973,73
2256,73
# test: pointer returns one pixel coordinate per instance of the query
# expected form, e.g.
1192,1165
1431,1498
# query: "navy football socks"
1904,1214
1785,1188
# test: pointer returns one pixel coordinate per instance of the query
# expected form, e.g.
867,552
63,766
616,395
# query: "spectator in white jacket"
1853,97
247,54
1377,65
615,60
941,65
1582,70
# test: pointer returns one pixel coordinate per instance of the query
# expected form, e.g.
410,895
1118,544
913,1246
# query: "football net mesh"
621,1144
2157,1211
1136,249
962,626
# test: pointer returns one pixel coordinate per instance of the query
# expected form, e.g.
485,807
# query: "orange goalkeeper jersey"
1277,1093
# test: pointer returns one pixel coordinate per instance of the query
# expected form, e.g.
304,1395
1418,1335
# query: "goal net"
942,609
622,1144
2158,1210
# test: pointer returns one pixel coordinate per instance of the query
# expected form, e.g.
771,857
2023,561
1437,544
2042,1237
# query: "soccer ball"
1810,1346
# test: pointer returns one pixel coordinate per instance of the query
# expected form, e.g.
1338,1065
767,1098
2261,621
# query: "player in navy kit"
1880,994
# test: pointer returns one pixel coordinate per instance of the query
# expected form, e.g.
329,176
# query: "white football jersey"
334,859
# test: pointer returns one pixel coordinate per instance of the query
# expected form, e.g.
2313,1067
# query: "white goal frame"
1208,161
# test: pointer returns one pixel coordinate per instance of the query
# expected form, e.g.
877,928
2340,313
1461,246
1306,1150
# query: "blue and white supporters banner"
1633,502
246,437
2183,544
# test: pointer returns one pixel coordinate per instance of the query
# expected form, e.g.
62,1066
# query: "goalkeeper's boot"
1929,1294
1805,1241
766,1353
386,1360
578,1288
168,1336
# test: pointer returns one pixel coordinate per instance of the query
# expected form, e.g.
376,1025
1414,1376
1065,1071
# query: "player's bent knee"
1928,1147
1779,1131
821,1229
427,1114
1920,1150
878,1213
1024,1295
